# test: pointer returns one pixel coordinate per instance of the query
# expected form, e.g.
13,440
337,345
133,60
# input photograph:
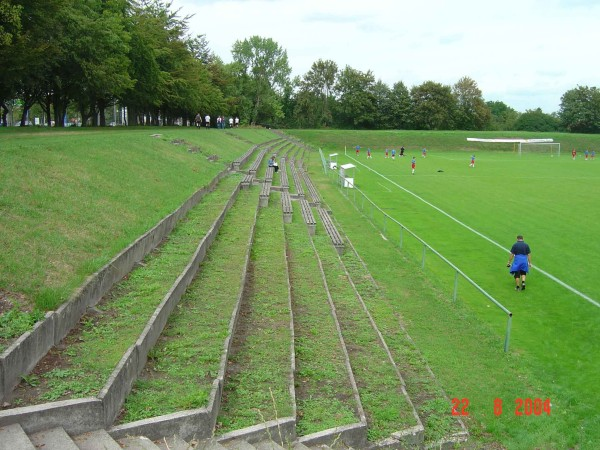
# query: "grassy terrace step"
257,384
80,366
380,390
185,361
323,391
425,392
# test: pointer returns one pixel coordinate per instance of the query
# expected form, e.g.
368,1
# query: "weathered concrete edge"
185,424
75,416
352,435
292,381
282,431
92,290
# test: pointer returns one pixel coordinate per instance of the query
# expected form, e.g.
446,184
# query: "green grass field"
72,199
472,216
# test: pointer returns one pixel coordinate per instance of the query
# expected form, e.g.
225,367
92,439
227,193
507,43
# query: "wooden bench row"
336,238
308,216
297,180
311,189
242,159
286,206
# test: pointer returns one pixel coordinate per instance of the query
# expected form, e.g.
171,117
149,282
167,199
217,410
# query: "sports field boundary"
481,235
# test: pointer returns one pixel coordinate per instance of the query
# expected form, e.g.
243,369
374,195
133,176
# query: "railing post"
507,338
455,285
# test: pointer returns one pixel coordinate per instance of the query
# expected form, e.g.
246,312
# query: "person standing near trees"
519,262
207,121
198,120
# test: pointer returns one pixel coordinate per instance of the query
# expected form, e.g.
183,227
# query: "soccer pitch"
471,216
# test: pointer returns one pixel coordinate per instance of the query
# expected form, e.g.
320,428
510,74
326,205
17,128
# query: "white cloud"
525,53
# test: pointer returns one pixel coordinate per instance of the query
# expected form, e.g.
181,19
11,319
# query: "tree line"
87,56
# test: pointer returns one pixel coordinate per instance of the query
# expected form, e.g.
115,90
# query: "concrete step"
268,445
173,443
238,444
137,443
210,444
96,440
53,439
299,446
12,437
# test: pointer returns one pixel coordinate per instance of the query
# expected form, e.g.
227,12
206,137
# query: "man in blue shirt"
519,262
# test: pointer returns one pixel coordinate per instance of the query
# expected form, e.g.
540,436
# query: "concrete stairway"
13,437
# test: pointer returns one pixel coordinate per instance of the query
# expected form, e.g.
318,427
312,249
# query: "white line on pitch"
385,187
552,277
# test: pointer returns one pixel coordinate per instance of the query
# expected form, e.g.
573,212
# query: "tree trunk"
4,119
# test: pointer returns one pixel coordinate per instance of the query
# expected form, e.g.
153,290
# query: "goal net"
546,148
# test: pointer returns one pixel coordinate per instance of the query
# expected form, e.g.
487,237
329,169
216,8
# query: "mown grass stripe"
82,364
380,390
324,393
257,384
182,366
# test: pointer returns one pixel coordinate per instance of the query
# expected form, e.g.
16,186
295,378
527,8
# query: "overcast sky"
525,53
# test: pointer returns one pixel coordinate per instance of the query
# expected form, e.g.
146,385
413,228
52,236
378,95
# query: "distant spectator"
237,122
207,121
198,120
231,122
272,163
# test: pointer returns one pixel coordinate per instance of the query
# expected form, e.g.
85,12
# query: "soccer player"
472,161
519,262
413,164
586,153
393,153
402,151
357,150
424,152
386,152
369,153
593,154
574,153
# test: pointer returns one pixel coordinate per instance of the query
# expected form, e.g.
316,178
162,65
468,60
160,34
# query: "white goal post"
549,148
545,145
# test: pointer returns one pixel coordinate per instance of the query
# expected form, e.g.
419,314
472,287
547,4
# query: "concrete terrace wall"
79,416
23,355
198,423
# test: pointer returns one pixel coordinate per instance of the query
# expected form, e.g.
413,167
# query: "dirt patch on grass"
10,299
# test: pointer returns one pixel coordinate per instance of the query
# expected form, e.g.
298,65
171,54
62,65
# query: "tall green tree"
384,104
265,74
580,110
503,117
471,111
401,107
10,22
316,91
433,106
357,104
536,120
